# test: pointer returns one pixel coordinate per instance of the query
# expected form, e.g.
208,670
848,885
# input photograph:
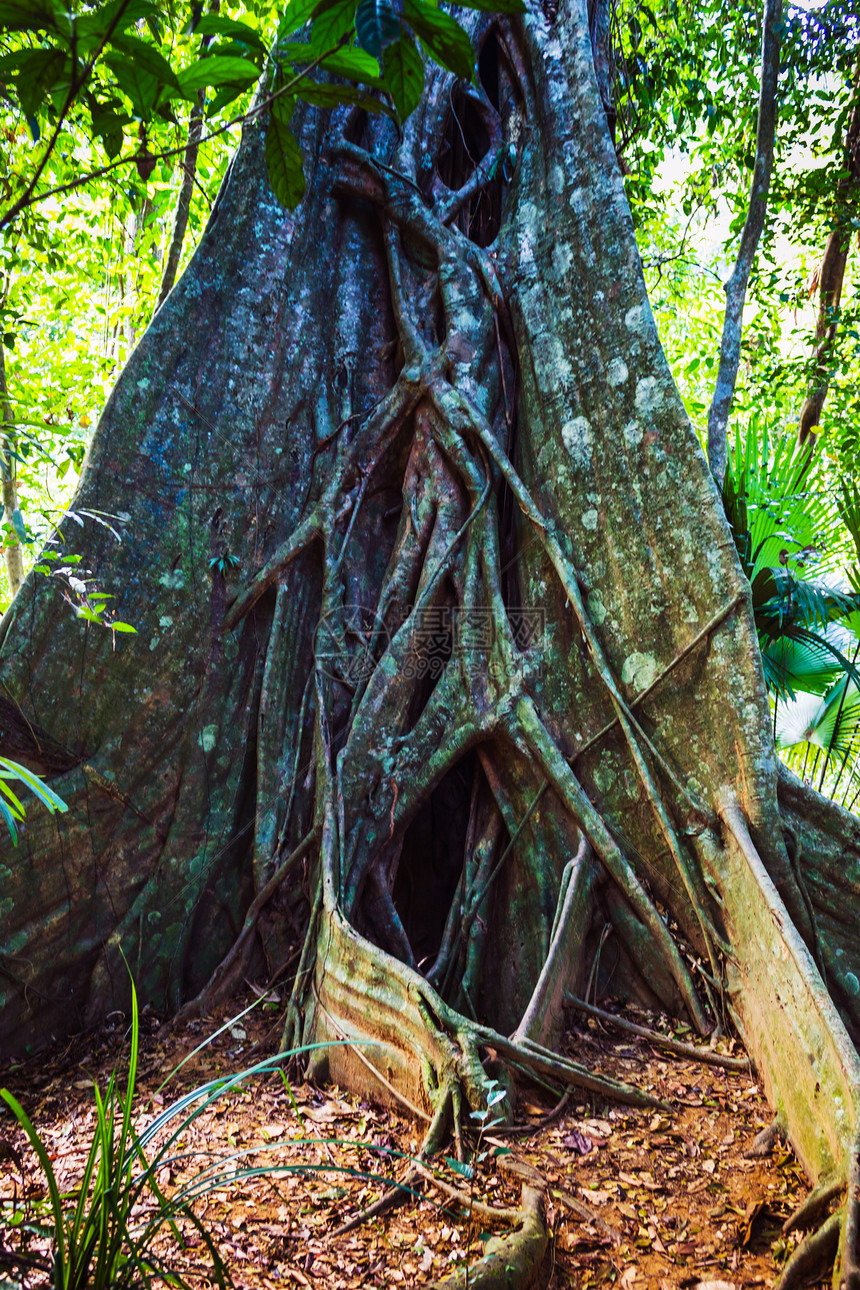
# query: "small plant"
103,1235
94,1240
11,808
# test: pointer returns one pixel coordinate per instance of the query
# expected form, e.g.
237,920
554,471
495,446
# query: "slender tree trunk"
12,553
831,275
736,287
183,202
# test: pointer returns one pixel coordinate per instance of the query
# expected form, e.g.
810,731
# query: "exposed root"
511,1262
813,1255
227,977
523,1130
397,1194
764,1142
589,1215
816,1203
704,1055
543,1014
470,1204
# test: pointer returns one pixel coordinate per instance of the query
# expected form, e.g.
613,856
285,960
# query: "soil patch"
634,1198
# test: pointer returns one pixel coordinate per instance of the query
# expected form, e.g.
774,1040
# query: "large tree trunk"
444,653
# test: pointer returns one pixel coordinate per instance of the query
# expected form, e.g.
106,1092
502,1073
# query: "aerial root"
227,976
529,733
690,1051
816,1252
511,1262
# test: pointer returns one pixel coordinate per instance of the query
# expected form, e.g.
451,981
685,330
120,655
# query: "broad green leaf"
146,58
329,27
284,157
212,24
122,627
107,126
403,75
138,85
352,63
377,24
217,71
326,95
226,94
26,15
459,1167
38,76
294,17
445,40
93,27
355,65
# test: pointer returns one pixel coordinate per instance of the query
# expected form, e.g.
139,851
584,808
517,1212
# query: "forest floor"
638,1199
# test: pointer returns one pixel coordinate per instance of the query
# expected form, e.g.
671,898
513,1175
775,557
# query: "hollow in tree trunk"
445,663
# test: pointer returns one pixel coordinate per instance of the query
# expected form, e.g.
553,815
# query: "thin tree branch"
183,202
132,157
736,287
74,90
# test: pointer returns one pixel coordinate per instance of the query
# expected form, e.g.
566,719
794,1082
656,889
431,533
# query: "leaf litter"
635,1198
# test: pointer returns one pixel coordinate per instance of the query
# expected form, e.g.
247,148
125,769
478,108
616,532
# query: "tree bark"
736,287
445,660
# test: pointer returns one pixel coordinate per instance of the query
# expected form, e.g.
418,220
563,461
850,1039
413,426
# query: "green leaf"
146,58
377,25
324,95
284,157
47,796
16,807
122,627
138,85
108,126
18,525
10,822
26,15
355,65
212,24
459,1167
294,17
332,25
494,6
217,71
93,27
226,94
36,72
444,39
403,75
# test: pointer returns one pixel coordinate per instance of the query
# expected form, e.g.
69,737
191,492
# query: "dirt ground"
635,1198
